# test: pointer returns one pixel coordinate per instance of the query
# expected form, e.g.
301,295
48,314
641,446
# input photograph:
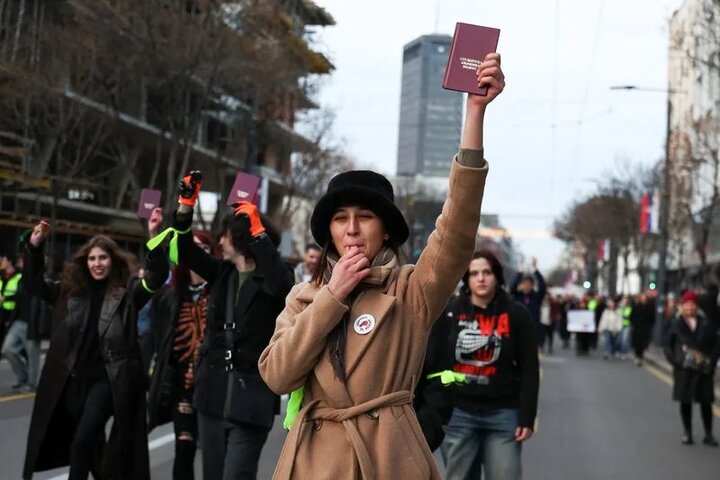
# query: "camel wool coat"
366,428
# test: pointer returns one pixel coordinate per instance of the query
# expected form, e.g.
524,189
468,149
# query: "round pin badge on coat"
364,324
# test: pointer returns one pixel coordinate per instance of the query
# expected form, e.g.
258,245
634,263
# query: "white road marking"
152,445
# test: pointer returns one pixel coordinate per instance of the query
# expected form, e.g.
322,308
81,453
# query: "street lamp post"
663,221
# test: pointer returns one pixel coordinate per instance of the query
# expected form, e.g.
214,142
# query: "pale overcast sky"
559,58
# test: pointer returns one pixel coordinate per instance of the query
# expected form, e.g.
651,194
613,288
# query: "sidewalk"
655,357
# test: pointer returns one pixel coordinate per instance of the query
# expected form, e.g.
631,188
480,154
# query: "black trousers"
91,406
184,419
705,413
230,451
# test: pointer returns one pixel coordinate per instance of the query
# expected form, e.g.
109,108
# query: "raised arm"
189,254
156,273
451,245
34,268
278,279
540,285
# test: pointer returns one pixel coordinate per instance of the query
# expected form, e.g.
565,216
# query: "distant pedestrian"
692,348
626,312
642,320
610,327
13,323
529,289
548,320
305,270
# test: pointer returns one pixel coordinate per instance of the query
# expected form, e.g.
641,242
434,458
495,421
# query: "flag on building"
603,250
649,213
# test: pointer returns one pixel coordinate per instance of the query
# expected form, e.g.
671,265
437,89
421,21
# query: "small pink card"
149,200
245,188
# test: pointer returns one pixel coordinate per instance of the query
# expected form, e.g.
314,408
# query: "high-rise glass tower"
430,117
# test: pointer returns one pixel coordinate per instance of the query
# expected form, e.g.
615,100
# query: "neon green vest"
627,311
592,305
9,289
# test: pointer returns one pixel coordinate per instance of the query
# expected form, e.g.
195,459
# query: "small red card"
245,188
470,44
149,200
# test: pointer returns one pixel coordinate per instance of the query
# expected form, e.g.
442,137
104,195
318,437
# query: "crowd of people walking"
376,354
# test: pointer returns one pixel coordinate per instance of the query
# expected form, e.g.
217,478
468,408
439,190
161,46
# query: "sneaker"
687,440
710,441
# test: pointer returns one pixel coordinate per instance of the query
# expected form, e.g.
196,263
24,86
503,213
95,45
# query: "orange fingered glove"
251,211
189,188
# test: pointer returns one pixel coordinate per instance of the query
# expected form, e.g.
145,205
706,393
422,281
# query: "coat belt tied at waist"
316,411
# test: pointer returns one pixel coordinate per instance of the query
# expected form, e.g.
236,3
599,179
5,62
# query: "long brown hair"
76,278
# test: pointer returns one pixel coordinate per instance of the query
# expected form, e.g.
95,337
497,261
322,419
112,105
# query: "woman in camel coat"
354,337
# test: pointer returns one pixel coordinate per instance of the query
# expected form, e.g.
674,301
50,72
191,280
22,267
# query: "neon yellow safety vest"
592,305
8,290
627,311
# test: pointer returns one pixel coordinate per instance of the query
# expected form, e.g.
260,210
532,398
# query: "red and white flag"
649,213
603,250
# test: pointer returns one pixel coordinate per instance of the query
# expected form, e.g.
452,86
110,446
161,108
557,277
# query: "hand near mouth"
350,270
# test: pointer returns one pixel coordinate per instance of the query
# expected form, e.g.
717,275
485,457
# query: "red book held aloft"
470,44
245,188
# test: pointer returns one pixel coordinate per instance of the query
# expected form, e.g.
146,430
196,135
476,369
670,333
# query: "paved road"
598,420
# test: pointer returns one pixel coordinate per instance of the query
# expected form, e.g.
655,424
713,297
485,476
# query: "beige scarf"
380,268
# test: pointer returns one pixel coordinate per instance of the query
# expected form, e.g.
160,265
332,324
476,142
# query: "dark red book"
245,188
470,44
149,200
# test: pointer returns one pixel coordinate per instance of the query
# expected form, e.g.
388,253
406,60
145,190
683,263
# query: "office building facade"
430,116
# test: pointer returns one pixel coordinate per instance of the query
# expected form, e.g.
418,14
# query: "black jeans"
185,425
91,406
230,451
706,414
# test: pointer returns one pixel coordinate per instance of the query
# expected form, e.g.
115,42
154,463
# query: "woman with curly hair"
93,370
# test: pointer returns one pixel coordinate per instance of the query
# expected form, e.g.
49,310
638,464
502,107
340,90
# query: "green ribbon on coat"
293,407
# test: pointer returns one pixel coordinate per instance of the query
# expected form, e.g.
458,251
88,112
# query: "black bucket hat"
362,188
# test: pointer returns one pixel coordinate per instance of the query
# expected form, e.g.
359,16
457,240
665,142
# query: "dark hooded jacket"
51,428
495,348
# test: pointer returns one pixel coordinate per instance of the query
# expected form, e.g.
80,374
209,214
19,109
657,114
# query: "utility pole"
664,220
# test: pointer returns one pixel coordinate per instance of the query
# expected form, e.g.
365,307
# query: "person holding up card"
93,369
178,316
247,288
350,343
